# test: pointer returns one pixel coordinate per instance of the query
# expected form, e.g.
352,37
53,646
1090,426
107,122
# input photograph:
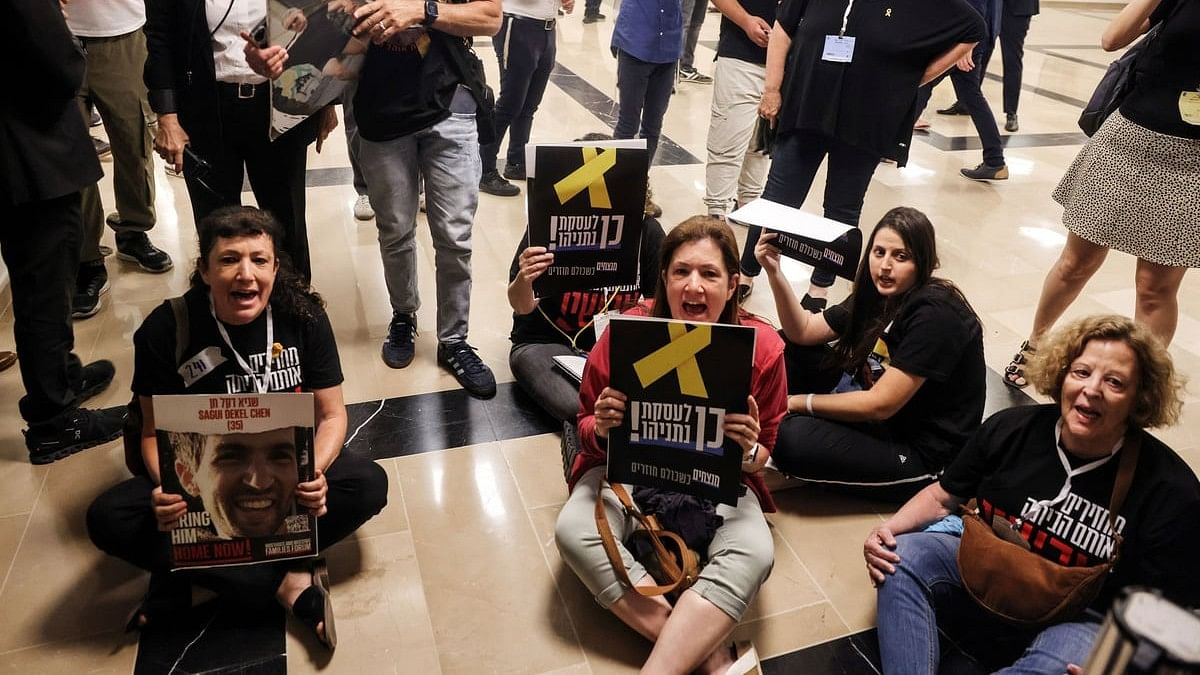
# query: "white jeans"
732,170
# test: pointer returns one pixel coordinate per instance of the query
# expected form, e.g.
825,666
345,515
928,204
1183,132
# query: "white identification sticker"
600,322
200,365
838,49
1189,106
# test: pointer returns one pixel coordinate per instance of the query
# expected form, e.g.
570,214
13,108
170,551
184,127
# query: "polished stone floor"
460,574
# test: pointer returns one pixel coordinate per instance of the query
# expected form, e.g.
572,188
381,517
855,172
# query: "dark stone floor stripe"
216,638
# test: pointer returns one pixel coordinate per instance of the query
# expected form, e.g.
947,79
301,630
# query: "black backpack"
133,412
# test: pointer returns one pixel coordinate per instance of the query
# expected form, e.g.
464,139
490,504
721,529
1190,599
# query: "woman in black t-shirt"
853,99
906,370
1049,471
243,290
1135,186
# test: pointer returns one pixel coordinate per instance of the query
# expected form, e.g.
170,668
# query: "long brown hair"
697,228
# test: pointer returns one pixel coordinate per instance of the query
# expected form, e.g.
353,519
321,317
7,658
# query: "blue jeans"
926,587
446,156
525,50
794,164
644,90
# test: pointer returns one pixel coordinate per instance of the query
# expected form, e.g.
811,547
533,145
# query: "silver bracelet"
808,404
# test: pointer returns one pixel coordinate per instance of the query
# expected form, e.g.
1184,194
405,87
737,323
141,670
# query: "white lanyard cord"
846,19
1071,473
259,385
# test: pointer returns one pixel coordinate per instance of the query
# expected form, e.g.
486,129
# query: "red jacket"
768,385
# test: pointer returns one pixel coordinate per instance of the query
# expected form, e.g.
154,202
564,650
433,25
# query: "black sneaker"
90,283
985,172
1011,124
73,431
398,348
594,17
103,149
95,378
472,374
136,247
514,171
493,184
814,305
693,75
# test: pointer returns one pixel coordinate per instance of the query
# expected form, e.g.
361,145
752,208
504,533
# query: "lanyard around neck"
1071,473
846,19
260,385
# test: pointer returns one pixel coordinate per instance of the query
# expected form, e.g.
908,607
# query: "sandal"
745,659
166,597
1014,372
313,606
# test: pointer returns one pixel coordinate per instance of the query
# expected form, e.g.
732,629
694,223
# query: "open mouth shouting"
695,310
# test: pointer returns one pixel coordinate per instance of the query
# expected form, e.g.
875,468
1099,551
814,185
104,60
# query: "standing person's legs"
966,88
694,13
1158,297
515,66
277,171
732,170
40,246
591,9
1013,30
794,164
449,160
846,183
633,77
1076,264
658,96
391,169
217,144
352,138
545,51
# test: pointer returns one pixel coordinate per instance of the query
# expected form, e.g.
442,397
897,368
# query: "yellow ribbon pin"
590,176
678,356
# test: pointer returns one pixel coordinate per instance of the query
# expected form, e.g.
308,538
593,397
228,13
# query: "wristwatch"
431,12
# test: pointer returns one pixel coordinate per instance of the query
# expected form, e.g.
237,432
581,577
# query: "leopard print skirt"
1136,191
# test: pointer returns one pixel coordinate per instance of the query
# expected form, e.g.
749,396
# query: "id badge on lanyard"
260,384
1189,106
840,48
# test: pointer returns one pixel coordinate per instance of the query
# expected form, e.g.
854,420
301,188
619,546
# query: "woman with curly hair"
1049,471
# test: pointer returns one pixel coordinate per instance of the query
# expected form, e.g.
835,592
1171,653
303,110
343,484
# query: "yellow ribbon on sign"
680,356
590,176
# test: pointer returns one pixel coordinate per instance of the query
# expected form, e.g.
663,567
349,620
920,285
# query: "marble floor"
459,574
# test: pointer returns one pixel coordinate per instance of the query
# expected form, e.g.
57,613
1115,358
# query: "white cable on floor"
365,422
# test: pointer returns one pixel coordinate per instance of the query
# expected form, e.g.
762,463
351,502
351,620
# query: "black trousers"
967,87
1013,30
794,164
856,457
121,523
40,245
241,138
525,49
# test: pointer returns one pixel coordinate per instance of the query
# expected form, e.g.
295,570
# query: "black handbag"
468,66
1116,84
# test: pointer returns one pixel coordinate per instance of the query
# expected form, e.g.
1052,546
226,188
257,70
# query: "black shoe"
743,292
73,431
493,184
514,171
693,75
953,109
136,247
814,305
593,18
398,348
985,172
471,372
103,149
90,283
95,378
1010,123
94,120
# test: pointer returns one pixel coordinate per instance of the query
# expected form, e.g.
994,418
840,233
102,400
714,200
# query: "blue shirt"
650,30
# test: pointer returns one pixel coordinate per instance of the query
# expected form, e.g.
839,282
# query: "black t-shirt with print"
308,359
871,102
735,44
1169,67
935,335
406,85
570,312
1011,463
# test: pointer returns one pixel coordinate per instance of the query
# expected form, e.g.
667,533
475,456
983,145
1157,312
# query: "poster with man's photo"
323,56
681,379
586,202
236,460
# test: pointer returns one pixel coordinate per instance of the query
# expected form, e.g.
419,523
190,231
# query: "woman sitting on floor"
243,290
697,281
1040,467
563,324
890,403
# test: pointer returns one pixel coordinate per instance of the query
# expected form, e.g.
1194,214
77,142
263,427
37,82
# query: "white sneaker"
362,208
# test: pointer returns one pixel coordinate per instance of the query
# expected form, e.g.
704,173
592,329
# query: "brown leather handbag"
674,570
1021,587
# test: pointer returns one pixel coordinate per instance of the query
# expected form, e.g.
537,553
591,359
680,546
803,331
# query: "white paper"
772,216
531,149
573,365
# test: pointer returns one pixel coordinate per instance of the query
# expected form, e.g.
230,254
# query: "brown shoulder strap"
677,576
1125,470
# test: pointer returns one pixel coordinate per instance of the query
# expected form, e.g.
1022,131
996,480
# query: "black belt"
242,89
547,24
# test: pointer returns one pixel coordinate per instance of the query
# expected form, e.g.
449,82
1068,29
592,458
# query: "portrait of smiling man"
246,481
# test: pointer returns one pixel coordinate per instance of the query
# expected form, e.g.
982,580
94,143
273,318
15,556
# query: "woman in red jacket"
698,276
